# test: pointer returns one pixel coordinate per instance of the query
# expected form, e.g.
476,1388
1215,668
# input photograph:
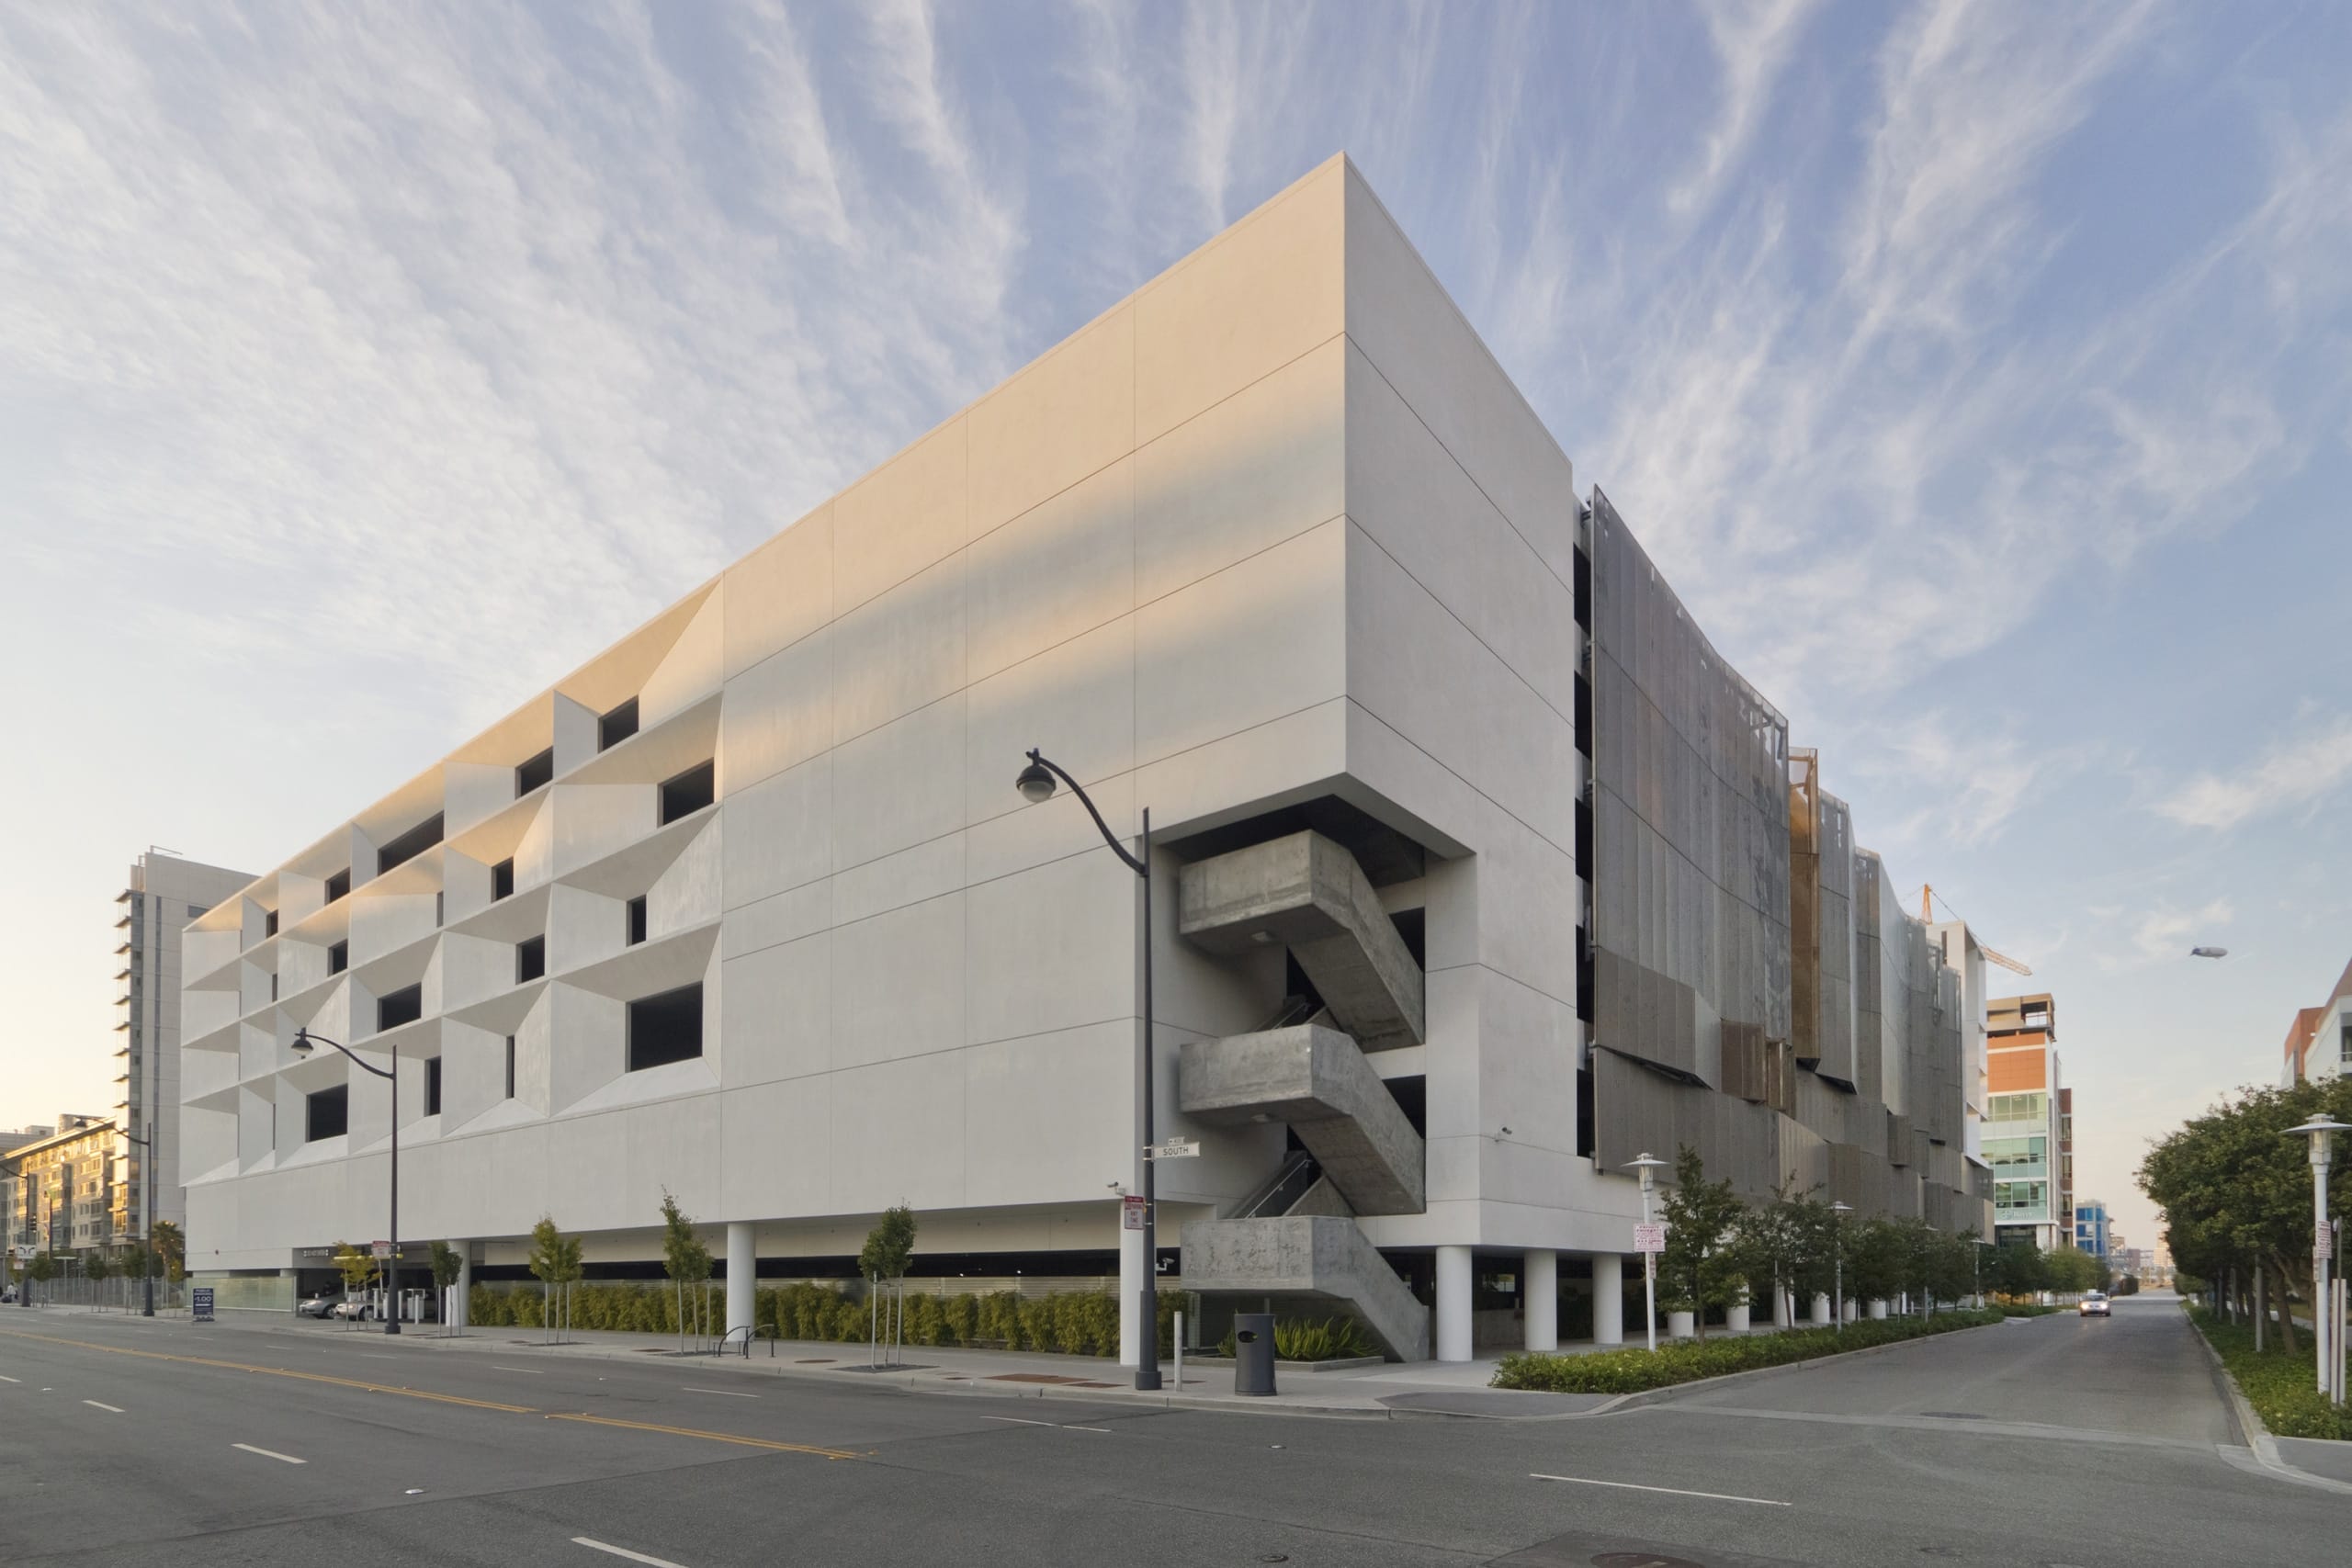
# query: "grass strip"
2282,1389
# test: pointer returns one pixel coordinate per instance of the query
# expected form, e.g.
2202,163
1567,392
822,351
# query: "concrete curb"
2260,1444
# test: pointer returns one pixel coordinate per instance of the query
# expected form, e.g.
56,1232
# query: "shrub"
1631,1370
960,1320
2281,1388
1000,1318
1333,1339
2028,1309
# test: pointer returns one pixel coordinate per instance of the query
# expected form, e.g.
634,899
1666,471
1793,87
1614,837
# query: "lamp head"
301,1041
1841,1210
2321,1130
1035,783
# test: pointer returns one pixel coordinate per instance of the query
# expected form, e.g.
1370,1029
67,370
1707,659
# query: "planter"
1680,1325
1735,1319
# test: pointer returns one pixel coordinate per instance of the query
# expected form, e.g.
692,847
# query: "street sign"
1131,1213
2322,1240
25,1253
382,1249
199,1301
1649,1237
1174,1148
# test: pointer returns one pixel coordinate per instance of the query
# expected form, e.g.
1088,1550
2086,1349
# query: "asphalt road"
2048,1442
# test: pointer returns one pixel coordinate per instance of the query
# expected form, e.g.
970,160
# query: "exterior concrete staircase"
1296,1236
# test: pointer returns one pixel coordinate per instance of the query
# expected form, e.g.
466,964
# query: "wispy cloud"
2294,774
1753,40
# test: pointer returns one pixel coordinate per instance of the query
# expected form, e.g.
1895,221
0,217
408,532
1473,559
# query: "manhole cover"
1642,1560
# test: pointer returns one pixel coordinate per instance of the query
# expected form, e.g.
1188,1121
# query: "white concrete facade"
1274,530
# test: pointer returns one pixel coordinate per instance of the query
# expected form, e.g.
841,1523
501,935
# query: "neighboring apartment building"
2091,1233
2319,1042
163,894
2026,1132
60,1190
1477,873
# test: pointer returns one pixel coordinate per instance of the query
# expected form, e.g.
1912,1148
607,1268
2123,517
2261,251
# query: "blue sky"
1979,372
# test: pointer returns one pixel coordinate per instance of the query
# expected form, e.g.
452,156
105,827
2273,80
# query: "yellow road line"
275,1372
712,1437
442,1398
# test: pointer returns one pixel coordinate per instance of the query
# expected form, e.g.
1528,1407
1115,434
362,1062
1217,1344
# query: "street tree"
687,1262
1703,1266
95,1269
356,1268
40,1271
555,1262
171,1248
448,1265
888,1252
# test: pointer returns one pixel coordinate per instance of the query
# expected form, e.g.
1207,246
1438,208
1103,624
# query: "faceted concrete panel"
787,916
1307,892
1417,667
1318,1255
1074,702
910,876
1033,1132
1033,835
777,1011
1411,495
1265,464
1402,319
899,784
904,516
1259,640
1067,415
1317,1080
780,592
1251,300
692,669
779,832
899,651
1051,948
898,984
779,713
779,1141
898,1135
1064,567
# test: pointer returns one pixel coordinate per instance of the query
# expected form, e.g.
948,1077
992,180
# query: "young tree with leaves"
448,1265
889,1250
555,1263
684,1259
165,1236
1702,1267
356,1266
95,1269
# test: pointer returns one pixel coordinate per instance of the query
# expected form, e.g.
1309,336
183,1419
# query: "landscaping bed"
2281,1388
1687,1361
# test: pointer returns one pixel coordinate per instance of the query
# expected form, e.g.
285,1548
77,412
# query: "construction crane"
1927,891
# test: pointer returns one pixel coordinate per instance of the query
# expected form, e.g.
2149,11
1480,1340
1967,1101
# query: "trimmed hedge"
2281,1388
1074,1323
1687,1360
2028,1309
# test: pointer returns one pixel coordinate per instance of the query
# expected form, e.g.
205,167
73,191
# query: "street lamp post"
1647,1168
2320,1133
1838,1271
303,1041
146,1215
1037,787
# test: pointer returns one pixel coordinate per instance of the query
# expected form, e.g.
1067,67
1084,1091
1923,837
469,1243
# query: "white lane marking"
1676,1490
1056,1425
525,1371
116,1409
624,1552
728,1392
268,1453
7,1380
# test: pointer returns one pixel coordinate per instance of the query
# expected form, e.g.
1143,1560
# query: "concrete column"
1736,1319
1608,1299
1820,1309
1454,1337
1541,1268
1132,1279
742,1275
1784,1308
460,1308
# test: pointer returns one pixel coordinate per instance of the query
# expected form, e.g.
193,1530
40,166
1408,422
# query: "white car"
2095,1305
361,1310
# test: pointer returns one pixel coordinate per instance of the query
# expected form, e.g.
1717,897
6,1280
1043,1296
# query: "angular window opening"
269,923
530,959
326,1113
510,1067
689,792
533,772
338,957
339,884
502,880
433,1086
665,1028
637,919
440,910
616,725
273,987
408,845
396,1008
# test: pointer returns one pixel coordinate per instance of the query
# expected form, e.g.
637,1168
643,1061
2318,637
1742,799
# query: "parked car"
357,1308
319,1305
2095,1305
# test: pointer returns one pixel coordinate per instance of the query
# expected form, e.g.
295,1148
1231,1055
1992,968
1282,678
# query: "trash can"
1253,1352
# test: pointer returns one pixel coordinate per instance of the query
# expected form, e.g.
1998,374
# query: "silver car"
2095,1305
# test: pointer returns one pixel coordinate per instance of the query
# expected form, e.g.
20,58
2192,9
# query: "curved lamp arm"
1088,801
303,1037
